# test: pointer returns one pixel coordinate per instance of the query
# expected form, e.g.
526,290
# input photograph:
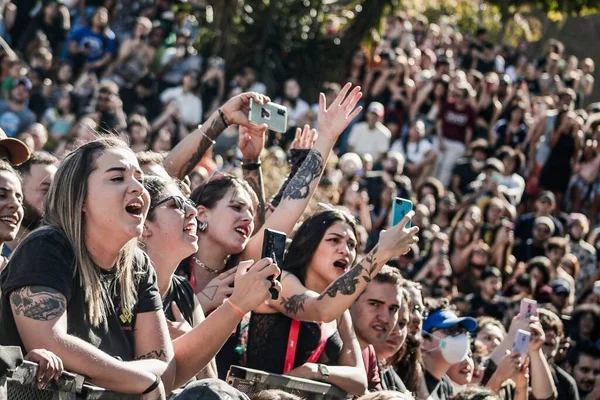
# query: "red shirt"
455,122
370,361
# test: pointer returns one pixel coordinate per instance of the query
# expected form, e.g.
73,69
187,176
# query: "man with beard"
584,362
15,117
374,314
37,174
566,386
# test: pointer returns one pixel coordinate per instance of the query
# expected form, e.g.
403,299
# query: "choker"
204,267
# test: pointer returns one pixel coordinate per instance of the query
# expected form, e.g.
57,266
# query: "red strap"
290,354
192,275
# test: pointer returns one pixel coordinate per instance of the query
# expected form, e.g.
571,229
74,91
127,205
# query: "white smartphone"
528,308
272,114
521,344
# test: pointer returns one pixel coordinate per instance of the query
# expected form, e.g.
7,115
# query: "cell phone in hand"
528,308
597,288
274,247
521,344
400,207
272,114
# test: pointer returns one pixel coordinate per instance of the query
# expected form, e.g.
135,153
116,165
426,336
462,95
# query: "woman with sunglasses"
169,236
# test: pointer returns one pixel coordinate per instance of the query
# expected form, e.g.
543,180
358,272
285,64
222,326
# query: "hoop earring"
202,226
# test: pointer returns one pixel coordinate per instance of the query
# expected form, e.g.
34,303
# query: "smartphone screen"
400,208
274,247
528,308
521,344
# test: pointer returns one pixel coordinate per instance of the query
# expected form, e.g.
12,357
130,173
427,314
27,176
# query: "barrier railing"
251,381
18,382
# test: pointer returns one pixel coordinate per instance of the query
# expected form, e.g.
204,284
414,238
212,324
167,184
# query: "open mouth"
379,328
135,208
191,228
243,231
341,264
11,219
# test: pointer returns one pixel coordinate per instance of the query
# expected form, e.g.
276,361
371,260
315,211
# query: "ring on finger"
273,283
415,239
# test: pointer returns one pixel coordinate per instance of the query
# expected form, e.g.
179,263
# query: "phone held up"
400,208
272,114
274,247
528,308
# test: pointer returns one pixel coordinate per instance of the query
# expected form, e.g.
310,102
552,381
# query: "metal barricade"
251,381
18,382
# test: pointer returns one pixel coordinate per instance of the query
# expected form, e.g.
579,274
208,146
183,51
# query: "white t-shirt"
188,104
374,142
415,152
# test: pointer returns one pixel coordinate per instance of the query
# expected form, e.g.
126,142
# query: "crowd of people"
135,195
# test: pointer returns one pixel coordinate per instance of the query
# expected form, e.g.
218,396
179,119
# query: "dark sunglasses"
445,288
180,203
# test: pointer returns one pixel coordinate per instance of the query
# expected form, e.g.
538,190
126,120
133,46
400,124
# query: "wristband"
154,385
237,310
222,114
251,166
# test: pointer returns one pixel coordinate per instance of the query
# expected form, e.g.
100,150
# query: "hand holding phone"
274,247
528,308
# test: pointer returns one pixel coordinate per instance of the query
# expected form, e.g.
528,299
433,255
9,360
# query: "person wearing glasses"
455,125
170,235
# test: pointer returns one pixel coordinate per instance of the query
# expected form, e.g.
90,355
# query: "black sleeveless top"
268,339
182,294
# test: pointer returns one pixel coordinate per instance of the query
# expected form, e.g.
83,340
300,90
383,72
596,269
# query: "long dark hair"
309,236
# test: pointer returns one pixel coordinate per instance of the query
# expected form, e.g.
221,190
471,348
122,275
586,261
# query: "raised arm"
299,191
188,153
298,302
251,143
46,327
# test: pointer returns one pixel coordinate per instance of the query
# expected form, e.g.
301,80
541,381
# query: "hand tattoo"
39,303
345,284
210,292
154,355
213,128
294,303
311,170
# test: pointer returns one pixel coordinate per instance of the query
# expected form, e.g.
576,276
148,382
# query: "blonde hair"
62,209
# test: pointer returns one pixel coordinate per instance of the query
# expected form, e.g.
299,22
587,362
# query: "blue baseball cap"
445,319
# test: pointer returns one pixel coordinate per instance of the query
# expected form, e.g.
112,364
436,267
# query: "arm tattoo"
297,157
39,303
371,258
294,303
212,128
255,180
210,292
345,284
311,170
154,355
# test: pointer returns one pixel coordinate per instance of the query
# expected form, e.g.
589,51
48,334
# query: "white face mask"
454,349
477,164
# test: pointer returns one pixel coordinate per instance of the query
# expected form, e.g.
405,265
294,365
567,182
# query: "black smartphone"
274,247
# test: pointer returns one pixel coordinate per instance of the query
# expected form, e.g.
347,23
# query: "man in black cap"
15,117
545,207
487,301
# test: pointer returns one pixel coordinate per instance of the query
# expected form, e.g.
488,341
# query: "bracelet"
205,135
154,385
222,114
237,310
251,166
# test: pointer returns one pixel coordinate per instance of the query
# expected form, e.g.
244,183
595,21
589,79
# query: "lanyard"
290,354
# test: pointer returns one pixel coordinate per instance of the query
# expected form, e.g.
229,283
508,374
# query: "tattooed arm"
188,153
41,318
302,186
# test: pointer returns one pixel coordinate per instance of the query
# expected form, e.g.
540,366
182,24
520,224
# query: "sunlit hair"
62,209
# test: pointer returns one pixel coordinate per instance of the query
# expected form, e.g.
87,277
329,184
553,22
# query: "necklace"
204,267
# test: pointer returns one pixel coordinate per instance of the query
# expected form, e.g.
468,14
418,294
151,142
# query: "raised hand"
180,326
304,139
252,283
237,108
217,290
396,241
50,366
252,141
333,120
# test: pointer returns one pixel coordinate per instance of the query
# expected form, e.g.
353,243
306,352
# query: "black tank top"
182,294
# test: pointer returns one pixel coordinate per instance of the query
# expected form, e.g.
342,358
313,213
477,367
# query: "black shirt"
391,381
438,389
480,307
182,294
464,171
565,384
46,258
525,251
